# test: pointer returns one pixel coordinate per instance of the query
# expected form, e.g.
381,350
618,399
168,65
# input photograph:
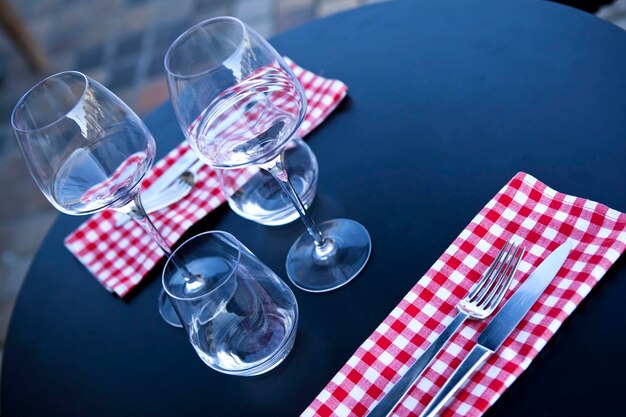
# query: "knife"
173,172
178,167
173,192
502,324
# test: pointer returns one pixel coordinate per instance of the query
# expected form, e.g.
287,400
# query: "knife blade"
502,324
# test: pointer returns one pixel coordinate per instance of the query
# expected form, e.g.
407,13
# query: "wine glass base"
350,252
166,309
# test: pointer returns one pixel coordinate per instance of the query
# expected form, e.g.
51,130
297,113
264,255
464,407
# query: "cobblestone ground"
120,43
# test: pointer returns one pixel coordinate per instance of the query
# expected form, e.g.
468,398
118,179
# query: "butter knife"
502,325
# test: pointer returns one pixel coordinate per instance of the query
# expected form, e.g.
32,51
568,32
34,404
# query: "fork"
481,301
174,192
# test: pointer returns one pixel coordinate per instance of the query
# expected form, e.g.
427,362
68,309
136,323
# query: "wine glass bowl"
83,146
238,104
247,125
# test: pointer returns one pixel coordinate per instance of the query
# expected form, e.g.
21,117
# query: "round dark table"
447,101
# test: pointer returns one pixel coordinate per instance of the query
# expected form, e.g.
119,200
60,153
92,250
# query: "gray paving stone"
286,6
137,2
21,237
15,85
129,45
40,27
165,36
254,11
6,308
172,11
139,18
20,190
156,67
90,57
169,31
263,27
122,74
33,9
8,145
292,18
128,95
13,270
99,32
73,21
206,9
331,7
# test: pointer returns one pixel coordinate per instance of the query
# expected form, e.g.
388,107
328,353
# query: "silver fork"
481,301
174,192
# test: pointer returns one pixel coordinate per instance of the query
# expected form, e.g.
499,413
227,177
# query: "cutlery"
173,172
174,192
481,301
502,324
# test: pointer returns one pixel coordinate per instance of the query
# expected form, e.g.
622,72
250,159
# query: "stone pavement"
120,43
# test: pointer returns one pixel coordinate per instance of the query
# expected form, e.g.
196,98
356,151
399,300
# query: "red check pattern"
121,178
119,258
525,210
255,111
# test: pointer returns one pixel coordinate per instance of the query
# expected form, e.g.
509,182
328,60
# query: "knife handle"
475,358
393,397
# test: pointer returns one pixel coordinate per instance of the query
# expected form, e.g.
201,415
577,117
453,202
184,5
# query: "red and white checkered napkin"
120,257
525,209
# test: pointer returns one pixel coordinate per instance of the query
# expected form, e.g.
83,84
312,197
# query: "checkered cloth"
119,258
542,218
250,115
121,178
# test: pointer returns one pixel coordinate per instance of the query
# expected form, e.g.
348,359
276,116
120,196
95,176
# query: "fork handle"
400,388
475,358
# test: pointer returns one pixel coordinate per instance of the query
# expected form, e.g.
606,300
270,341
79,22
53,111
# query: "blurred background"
120,43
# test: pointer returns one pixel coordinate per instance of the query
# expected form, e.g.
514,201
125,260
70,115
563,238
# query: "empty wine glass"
87,151
238,103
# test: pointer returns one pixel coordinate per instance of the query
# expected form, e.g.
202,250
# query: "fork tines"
489,290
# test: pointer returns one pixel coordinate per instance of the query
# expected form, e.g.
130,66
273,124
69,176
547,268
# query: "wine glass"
87,151
238,103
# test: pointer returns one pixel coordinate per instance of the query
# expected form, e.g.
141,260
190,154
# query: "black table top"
447,101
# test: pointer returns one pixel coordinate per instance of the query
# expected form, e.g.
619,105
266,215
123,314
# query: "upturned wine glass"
87,151
238,103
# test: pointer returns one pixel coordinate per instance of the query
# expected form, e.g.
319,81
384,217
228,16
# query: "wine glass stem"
135,210
276,167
